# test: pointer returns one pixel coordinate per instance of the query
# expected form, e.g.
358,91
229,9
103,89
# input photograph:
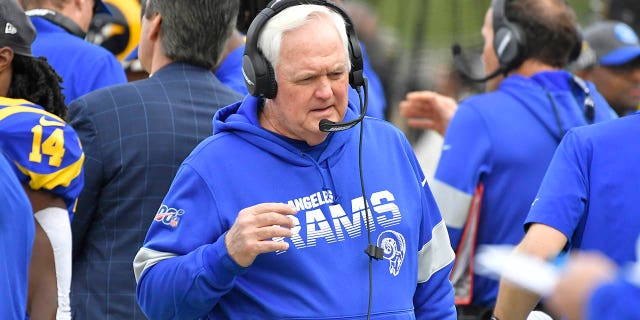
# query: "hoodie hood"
558,89
241,118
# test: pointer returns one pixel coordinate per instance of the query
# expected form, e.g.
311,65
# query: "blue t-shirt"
16,239
589,190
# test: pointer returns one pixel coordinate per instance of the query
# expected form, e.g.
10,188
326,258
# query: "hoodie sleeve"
464,159
434,297
183,268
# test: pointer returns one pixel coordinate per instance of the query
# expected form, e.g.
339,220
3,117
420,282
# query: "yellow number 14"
53,146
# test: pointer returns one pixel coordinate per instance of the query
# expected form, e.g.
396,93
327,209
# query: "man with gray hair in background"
136,135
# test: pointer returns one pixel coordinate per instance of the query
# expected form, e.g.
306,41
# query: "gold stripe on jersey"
18,106
49,181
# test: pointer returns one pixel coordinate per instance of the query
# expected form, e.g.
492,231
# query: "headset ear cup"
259,76
271,85
249,74
509,46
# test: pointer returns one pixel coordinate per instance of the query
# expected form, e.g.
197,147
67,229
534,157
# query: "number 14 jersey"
43,150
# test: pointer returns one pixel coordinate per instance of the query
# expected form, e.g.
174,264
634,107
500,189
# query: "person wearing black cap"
62,27
45,155
611,60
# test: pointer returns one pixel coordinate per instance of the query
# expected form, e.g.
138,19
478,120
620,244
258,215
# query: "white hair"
294,17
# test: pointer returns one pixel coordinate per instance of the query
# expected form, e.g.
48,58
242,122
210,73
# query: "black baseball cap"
16,30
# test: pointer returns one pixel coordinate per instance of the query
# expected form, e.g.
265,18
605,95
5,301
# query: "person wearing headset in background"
611,60
45,155
136,135
498,144
61,28
268,217
586,201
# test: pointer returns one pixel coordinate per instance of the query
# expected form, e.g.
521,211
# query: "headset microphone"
330,126
462,67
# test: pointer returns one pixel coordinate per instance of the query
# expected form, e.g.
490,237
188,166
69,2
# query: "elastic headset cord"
364,199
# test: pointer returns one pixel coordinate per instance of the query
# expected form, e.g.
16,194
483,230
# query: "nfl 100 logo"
168,216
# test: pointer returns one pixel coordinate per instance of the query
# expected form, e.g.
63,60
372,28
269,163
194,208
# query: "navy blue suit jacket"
135,136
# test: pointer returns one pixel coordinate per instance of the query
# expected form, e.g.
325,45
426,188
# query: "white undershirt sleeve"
55,223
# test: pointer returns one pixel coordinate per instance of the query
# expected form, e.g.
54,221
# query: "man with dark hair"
61,28
45,155
498,144
611,60
136,135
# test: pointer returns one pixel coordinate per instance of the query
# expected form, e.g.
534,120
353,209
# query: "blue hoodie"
184,270
504,141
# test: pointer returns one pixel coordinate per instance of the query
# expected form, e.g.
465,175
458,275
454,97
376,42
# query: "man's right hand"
254,229
428,110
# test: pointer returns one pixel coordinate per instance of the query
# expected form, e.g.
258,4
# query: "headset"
59,20
509,43
259,74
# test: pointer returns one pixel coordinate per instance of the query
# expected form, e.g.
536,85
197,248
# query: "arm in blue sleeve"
465,158
187,286
184,268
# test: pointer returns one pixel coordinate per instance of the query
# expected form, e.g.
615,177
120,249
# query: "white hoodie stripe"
453,203
435,254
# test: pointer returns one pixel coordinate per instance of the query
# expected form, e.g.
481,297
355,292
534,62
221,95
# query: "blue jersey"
44,151
185,271
503,141
588,191
16,239
83,66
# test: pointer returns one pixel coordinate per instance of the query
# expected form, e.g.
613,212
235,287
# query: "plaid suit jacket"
135,136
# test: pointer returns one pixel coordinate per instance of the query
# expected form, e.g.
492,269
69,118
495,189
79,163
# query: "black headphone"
509,40
258,73
59,20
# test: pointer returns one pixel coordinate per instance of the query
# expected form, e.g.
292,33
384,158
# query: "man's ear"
154,27
6,58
